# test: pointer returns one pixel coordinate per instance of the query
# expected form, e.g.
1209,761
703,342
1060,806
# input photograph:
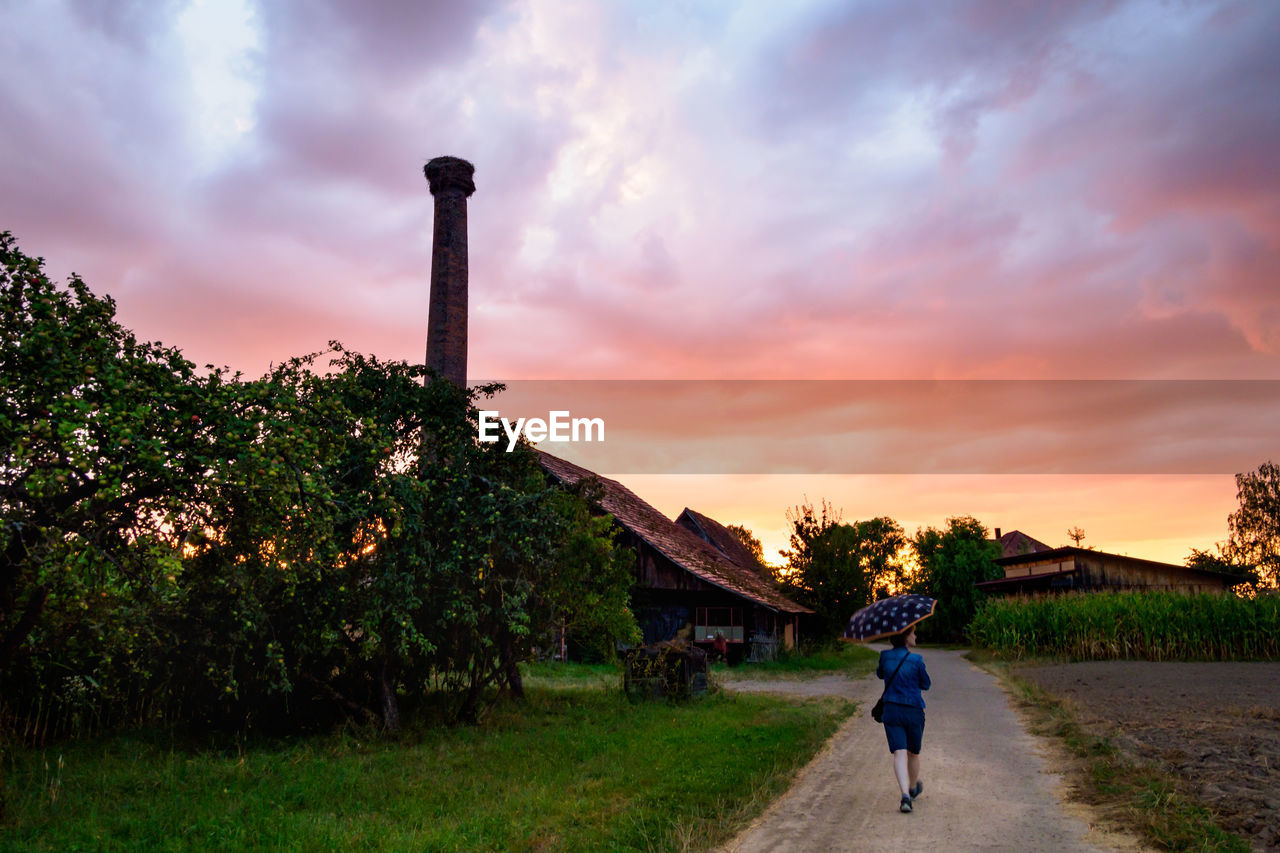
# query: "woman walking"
905,676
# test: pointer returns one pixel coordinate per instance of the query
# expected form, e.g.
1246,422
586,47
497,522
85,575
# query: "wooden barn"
685,586
1072,569
719,536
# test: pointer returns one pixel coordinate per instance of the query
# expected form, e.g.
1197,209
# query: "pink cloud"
1103,218
882,190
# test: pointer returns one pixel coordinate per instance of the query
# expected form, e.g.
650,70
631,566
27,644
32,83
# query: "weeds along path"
988,784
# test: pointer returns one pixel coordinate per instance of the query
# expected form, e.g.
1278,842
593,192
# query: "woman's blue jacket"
911,679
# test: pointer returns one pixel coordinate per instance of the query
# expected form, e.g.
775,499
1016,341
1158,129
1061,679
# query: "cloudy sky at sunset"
802,190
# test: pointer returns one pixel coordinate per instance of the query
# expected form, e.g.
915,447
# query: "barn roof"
682,547
710,530
1224,578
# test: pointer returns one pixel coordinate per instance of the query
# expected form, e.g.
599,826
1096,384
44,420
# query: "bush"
316,543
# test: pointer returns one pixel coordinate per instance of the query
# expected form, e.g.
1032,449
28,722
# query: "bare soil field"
1217,725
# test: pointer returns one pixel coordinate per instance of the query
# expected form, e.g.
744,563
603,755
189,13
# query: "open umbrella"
888,616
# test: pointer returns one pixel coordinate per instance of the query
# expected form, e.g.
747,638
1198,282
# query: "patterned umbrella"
888,616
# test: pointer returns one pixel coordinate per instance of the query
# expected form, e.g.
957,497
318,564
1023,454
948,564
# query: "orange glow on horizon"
1155,517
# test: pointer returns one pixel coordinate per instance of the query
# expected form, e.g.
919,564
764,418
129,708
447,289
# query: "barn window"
726,620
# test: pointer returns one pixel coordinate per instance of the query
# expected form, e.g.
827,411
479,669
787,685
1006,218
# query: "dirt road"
987,783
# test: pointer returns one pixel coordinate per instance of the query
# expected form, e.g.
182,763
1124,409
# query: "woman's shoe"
905,805
916,791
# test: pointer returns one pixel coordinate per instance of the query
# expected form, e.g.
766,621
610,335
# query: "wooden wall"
1097,570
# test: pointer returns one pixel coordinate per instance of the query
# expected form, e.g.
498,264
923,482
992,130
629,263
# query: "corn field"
1131,625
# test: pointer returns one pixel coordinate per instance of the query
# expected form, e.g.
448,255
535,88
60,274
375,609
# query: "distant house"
684,586
1085,570
1015,543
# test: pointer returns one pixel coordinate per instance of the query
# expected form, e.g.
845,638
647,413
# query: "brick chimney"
451,184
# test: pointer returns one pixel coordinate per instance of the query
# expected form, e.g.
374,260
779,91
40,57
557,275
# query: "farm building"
684,586
1085,570
712,531
1016,543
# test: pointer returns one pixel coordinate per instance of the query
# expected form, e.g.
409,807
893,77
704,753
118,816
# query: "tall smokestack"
451,184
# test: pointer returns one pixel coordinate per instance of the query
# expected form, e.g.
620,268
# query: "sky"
817,190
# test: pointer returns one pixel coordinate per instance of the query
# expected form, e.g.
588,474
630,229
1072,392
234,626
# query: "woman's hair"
900,640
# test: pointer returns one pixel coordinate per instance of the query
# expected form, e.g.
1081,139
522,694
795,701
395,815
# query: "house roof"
682,547
1015,543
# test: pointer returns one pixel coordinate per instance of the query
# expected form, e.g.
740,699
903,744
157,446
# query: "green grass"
572,769
1135,796
561,676
1131,625
850,659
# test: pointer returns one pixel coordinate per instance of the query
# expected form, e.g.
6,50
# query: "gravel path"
988,784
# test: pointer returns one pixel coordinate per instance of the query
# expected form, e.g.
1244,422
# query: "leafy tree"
423,561
1225,562
1076,535
295,597
1254,528
749,541
755,549
106,445
587,590
950,562
271,551
835,568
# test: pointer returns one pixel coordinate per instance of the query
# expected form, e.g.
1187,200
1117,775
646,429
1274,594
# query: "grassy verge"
571,769
1130,794
849,659
555,675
